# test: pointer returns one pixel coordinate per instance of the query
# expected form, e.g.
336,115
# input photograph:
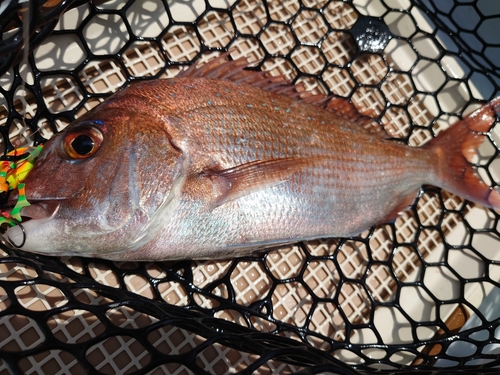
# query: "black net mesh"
420,295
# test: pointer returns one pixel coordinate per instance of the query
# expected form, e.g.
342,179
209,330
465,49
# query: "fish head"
97,184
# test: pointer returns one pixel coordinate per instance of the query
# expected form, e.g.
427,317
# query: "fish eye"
82,143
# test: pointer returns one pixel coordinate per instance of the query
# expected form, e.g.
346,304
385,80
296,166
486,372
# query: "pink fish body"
222,161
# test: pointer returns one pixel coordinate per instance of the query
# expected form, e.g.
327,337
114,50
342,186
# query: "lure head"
95,186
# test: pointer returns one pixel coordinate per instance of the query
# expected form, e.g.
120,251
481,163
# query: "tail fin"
456,148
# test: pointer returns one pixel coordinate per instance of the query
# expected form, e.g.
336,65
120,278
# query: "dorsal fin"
236,71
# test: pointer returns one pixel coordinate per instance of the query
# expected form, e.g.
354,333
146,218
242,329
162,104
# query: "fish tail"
457,147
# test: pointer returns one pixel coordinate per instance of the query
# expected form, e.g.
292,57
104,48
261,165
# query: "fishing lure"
14,169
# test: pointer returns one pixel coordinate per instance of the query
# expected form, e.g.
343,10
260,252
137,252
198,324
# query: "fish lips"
35,215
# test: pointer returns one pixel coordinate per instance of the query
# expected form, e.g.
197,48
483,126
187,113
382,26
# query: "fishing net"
418,295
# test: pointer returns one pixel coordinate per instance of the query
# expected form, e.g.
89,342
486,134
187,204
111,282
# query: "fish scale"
223,161
323,178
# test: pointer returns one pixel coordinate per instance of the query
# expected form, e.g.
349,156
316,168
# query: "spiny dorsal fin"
236,71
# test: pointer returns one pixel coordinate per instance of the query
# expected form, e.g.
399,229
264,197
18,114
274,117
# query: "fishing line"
26,15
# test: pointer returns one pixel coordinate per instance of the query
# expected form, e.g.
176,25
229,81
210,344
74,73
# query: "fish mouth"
39,210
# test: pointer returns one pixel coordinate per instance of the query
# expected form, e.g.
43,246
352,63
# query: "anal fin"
404,205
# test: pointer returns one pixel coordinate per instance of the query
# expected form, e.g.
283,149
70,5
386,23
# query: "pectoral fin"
236,182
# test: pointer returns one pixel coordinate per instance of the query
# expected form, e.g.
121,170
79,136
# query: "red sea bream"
221,161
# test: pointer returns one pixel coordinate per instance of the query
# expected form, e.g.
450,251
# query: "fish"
223,160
